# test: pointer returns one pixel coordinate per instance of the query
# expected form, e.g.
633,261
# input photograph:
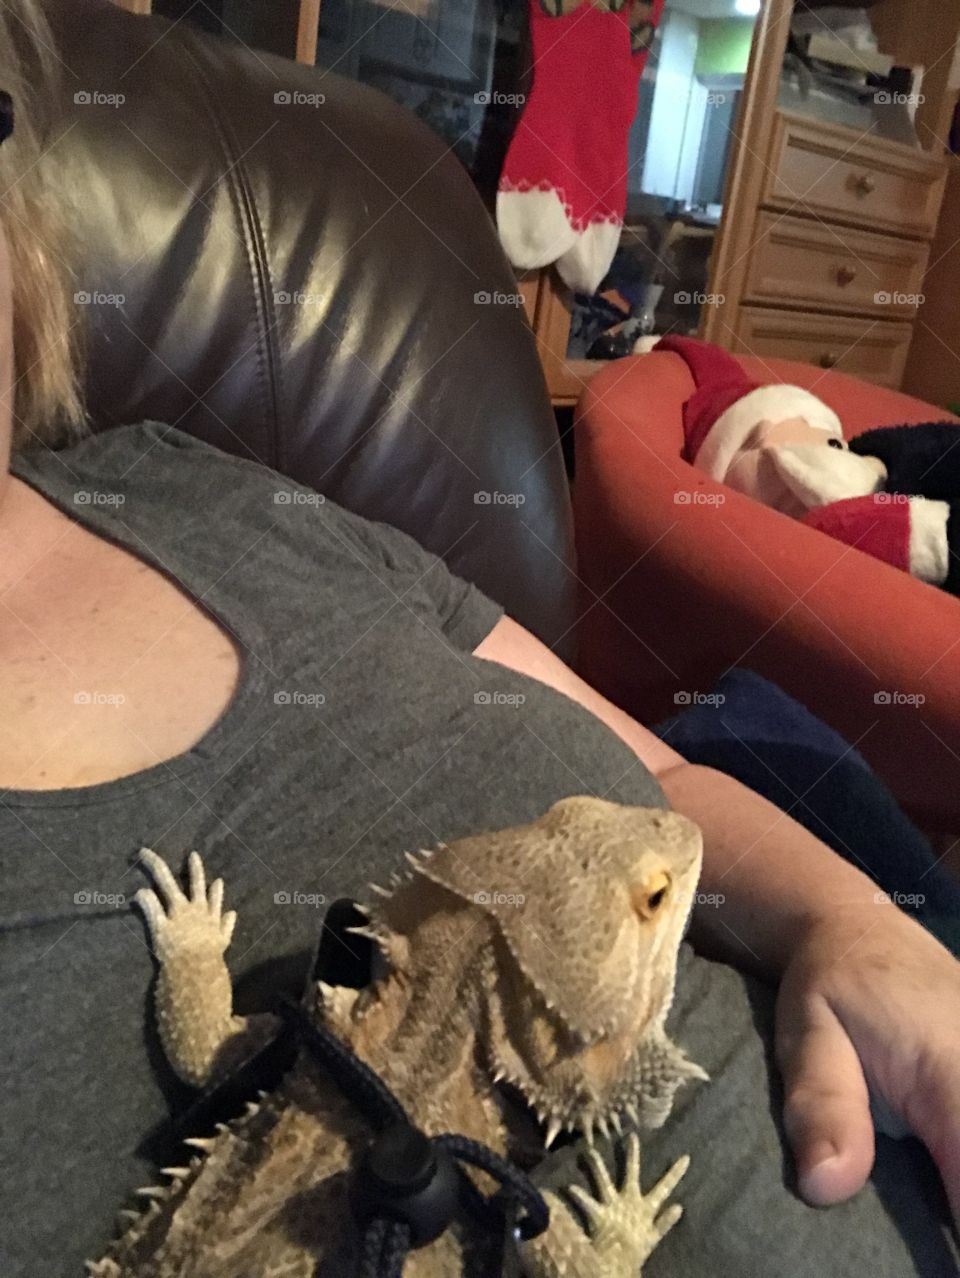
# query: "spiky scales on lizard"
494,1005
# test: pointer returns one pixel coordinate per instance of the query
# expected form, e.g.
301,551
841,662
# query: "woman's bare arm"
774,878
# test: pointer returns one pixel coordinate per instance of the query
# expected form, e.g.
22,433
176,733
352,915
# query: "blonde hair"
47,332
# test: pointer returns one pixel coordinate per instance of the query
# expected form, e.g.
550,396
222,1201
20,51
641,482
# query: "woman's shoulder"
150,445
152,464
152,484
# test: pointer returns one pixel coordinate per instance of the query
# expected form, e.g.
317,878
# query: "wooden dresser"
825,241
840,242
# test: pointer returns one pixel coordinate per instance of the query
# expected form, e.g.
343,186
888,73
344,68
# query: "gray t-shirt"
361,727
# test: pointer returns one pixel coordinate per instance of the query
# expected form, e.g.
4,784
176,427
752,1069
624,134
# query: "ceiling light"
749,8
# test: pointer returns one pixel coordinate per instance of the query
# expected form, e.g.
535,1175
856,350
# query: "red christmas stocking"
563,189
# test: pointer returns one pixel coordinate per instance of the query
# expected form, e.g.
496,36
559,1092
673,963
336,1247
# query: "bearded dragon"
525,972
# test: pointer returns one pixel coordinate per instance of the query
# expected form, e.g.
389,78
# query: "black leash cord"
385,1247
412,1185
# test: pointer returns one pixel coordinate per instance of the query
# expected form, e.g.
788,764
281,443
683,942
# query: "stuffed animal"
890,492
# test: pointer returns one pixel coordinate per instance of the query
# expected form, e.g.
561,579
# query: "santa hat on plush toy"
726,406
908,532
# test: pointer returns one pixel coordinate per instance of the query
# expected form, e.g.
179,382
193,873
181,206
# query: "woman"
302,695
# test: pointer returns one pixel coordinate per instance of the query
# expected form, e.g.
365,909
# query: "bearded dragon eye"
649,896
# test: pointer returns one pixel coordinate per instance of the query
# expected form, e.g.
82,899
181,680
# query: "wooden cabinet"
933,367
812,264
565,378
289,27
874,349
825,239
817,259
822,170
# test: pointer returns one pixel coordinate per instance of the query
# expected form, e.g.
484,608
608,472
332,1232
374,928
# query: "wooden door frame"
308,25
741,193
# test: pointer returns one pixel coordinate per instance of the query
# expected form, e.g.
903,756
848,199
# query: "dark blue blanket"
752,730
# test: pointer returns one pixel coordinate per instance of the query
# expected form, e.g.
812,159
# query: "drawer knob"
829,359
865,185
846,275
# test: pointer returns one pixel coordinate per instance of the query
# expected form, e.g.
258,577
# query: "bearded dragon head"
585,910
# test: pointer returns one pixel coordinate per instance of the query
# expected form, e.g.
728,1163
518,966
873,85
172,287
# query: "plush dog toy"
893,492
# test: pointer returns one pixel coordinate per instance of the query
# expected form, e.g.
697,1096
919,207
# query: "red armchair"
683,578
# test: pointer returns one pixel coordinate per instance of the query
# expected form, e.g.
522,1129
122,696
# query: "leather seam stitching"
268,361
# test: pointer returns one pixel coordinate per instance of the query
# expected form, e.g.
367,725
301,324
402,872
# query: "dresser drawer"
831,172
816,265
875,350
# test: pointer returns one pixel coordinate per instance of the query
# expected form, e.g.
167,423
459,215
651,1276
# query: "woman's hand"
868,997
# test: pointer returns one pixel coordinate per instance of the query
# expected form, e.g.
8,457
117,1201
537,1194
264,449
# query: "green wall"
724,47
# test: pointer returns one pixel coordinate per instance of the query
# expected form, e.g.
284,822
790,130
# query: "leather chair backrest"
303,282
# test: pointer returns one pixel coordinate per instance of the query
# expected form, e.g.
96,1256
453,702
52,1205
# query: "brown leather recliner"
300,284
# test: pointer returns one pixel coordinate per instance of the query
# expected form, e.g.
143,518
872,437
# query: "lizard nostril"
648,897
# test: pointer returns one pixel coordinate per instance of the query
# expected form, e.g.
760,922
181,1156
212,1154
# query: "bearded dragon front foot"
624,1224
202,1038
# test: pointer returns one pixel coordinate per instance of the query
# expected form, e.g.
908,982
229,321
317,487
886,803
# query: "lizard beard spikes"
585,1089
657,1070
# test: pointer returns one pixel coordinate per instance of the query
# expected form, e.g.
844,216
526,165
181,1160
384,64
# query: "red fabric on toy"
720,382
879,527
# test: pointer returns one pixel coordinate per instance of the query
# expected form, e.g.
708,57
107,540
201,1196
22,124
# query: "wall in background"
677,116
724,48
